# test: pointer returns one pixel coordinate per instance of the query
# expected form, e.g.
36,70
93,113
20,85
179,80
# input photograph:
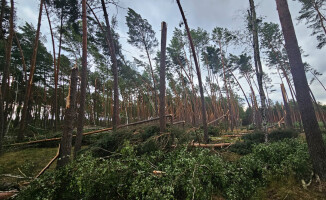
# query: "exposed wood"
233,135
210,145
180,122
215,120
7,194
288,119
70,114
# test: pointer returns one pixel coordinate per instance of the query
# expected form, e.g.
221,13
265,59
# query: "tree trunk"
81,112
22,56
318,108
3,4
30,80
162,78
206,138
314,138
111,46
70,114
288,120
258,66
56,78
54,65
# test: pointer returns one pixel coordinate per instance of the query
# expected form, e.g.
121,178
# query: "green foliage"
278,135
141,34
214,131
183,174
245,147
312,13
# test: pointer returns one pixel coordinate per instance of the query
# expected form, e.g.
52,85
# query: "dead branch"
210,145
7,194
215,120
49,164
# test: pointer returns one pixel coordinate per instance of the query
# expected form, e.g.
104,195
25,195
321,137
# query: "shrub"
279,134
214,131
245,147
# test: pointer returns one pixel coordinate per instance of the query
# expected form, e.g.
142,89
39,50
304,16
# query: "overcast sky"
206,14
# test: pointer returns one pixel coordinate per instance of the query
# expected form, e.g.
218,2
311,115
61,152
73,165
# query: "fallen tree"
210,145
93,132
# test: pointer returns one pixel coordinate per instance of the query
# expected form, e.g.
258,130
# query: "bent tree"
31,76
142,36
114,61
201,90
315,142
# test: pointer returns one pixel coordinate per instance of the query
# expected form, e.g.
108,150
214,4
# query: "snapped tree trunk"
162,78
258,66
314,138
70,114
111,46
30,79
288,120
201,90
81,111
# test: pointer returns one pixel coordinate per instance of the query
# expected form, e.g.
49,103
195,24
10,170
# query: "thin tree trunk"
206,138
111,46
23,57
258,67
162,78
318,108
3,5
31,76
314,138
70,114
56,78
81,112
54,65
288,120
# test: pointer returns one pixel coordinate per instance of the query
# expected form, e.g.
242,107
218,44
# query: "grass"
290,189
29,161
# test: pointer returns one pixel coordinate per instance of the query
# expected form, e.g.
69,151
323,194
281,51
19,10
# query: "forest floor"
19,166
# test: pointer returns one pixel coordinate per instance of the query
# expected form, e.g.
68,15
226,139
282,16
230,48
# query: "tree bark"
258,66
288,120
314,138
162,78
70,114
111,46
31,76
206,138
81,112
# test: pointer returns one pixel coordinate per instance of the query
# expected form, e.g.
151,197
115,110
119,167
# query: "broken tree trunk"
162,78
66,140
288,120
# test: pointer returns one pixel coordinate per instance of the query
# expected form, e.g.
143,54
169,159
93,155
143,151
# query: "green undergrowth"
145,164
250,140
